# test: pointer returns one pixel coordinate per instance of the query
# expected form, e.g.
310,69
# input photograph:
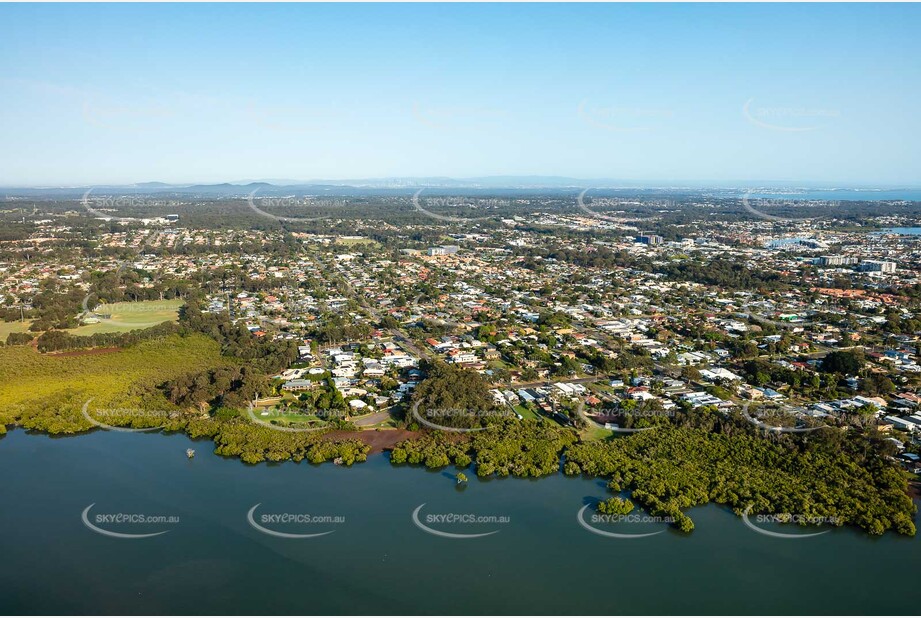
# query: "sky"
652,93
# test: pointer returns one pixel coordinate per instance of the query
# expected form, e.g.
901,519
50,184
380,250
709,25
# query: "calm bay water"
904,231
869,195
377,560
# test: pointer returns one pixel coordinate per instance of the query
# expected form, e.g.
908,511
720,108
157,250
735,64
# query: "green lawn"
350,242
125,317
595,433
525,413
282,417
13,327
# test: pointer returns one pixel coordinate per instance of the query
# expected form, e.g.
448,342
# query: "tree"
615,506
19,338
877,384
454,397
844,362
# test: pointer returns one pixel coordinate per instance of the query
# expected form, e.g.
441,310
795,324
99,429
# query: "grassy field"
287,417
595,433
525,413
351,242
13,327
131,316
47,391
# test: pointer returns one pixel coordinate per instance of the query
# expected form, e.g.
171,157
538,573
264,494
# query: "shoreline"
347,447
379,440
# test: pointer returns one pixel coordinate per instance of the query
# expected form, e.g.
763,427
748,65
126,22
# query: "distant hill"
492,185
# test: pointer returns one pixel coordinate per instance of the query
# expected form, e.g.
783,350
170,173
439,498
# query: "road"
580,412
564,381
398,334
374,418
403,339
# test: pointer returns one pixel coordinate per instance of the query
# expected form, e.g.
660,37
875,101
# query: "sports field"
124,317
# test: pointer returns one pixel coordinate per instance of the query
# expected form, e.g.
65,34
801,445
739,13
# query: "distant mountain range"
406,185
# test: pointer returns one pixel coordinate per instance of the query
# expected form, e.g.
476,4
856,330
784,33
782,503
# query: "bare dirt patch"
379,441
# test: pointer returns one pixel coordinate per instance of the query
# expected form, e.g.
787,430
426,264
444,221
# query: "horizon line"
531,180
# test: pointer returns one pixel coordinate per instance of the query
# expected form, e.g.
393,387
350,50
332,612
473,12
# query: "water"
378,561
868,195
904,231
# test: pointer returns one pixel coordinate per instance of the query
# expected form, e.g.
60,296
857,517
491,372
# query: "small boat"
190,453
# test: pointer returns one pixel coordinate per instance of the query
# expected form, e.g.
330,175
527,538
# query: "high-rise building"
836,260
877,266
649,239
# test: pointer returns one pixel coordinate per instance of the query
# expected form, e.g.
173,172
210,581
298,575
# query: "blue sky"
93,94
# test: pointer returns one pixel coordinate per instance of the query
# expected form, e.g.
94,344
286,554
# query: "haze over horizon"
719,94
497,181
